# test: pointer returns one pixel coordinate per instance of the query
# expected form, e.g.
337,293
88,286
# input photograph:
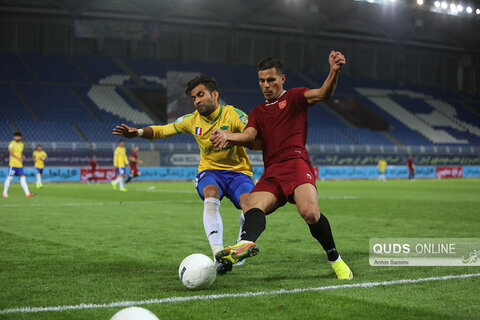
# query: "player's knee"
211,191
310,215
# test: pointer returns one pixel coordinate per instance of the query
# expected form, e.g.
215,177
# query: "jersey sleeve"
298,95
252,121
181,125
10,146
240,120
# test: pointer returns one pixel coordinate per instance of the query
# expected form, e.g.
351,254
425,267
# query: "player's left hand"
336,60
219,139
125,131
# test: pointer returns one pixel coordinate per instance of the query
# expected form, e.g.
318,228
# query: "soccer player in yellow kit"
120,161
15,148
39,157
226,172
382,167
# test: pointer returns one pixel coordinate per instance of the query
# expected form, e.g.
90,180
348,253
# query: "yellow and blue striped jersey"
225,118
120,157
39,158
17,149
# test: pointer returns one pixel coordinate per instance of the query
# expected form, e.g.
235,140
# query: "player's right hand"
125,131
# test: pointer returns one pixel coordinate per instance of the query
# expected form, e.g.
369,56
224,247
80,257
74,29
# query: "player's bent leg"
257,204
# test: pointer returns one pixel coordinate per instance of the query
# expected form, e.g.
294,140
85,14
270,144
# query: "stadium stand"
55,95
13,69
54,68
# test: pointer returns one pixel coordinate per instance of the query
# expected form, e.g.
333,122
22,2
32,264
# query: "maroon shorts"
282,178
134,170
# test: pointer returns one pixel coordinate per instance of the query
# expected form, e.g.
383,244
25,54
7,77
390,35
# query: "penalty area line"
233,295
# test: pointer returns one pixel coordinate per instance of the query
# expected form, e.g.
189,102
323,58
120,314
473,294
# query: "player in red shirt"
134,172
411,169
92,165
281,125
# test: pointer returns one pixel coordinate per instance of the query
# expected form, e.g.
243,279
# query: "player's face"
39,148
17,138
135,149
204,101
271,83
121,144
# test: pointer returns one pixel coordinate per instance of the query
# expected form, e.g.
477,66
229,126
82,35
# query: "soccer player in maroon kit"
93,167
134,172
281,125
411,169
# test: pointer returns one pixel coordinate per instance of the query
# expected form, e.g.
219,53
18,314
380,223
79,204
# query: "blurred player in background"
120,161
382,168
411,169
15,148
39,157
93,165
281,124
226,172
134,172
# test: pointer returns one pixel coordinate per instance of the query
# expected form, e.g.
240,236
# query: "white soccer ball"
134,313
197,271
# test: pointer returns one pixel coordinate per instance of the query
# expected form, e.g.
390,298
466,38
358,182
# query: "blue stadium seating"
57,92
55,102
55,68
13,69
98,68
12,107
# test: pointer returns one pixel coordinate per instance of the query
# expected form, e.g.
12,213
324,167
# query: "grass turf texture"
77,243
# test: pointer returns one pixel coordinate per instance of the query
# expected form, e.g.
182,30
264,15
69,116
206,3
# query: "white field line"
232,295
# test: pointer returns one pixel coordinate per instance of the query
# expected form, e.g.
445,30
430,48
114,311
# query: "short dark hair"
39,145
270,62
17,134
207,81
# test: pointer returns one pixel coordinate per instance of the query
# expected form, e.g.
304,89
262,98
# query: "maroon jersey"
133,163
282,126
93,164
410,165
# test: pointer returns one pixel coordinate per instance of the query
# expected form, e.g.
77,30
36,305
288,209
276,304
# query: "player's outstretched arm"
130,132
223,138
336,61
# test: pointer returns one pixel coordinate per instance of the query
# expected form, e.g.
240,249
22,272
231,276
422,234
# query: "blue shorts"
231,184
39,170
121,171
13,171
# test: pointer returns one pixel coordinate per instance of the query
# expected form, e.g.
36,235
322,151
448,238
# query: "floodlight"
437,4
469,10
444,5
419,2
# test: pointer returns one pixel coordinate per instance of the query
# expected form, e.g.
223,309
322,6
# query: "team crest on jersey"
198,131
244,119
282,104
180,119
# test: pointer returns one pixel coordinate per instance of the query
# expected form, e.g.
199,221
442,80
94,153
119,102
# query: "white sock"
23,182
7,184
121,182
212,222
242,221
39,178
116,181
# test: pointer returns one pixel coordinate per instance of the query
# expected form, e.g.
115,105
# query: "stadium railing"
192,147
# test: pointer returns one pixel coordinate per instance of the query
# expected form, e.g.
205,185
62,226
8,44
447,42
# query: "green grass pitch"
78,243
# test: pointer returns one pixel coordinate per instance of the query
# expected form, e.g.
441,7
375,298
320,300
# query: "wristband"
140,132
